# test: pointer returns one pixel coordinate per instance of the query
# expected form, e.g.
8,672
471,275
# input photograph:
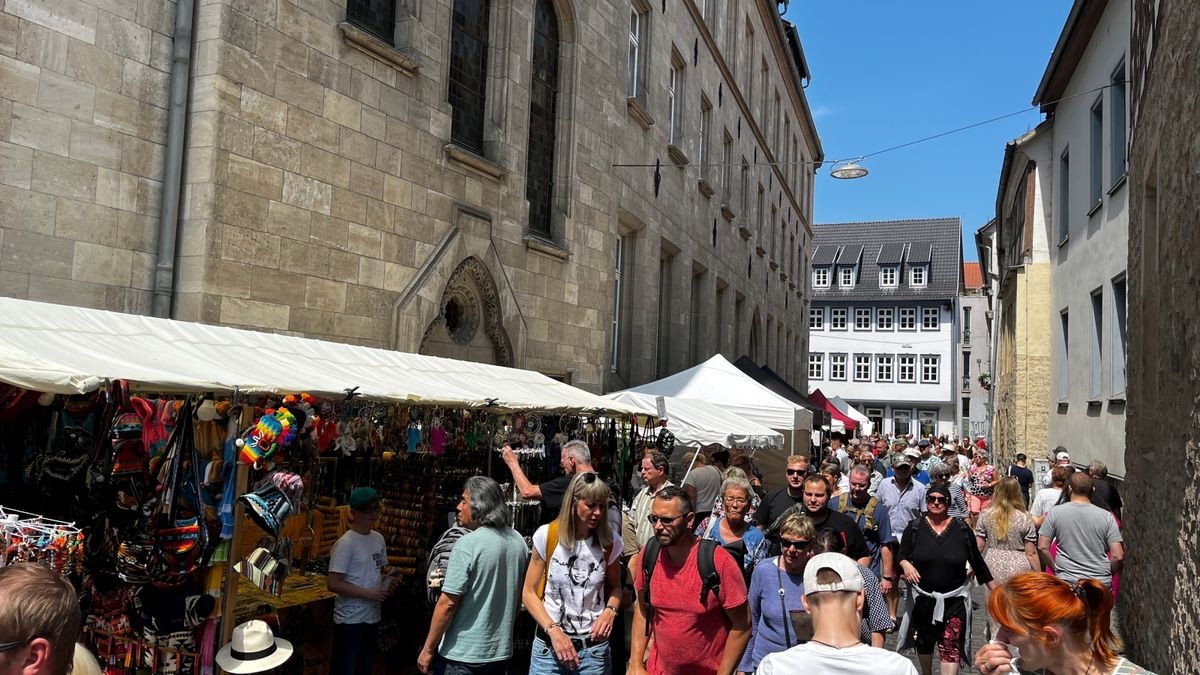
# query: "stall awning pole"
229,594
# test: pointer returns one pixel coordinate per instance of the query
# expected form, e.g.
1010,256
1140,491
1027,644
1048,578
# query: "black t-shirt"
553,491
1024,476
1105,495
774,505
856,543
942,559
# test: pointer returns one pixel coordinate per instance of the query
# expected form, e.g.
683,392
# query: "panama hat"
253,649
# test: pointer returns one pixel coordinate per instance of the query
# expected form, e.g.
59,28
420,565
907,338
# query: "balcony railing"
966,382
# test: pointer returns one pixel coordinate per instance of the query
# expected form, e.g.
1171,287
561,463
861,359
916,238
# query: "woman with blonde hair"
1056,626
1006,534
776,592
573,583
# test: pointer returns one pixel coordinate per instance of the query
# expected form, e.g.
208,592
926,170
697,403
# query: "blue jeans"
444,666
354,646
592,661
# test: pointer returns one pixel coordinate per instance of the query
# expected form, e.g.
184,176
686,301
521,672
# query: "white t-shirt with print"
575,582
359,557
811,658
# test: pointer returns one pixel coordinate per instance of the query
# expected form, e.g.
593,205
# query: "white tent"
697,424
865,425
67,350
719,382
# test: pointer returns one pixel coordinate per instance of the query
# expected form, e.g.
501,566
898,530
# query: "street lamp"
848,170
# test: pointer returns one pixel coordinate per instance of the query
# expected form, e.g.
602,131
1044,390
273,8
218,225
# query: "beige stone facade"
1160,589
323,196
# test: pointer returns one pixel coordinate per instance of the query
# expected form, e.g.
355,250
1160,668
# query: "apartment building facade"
884,321
974,415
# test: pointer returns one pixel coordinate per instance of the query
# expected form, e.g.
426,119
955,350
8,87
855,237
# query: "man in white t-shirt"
355,575
833,594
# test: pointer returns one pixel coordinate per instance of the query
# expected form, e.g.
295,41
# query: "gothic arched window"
468,72
543,97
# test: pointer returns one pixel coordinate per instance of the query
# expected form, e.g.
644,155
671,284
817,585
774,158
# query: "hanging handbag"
801,622
180,542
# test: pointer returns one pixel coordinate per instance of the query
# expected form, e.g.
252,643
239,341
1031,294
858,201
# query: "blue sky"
889,72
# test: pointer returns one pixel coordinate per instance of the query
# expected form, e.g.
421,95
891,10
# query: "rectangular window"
1064,196
902,421
888,277
1096,160
720,316
1097,387
917,275
758,216
662,354
931,318
744,192
929,368
908,318
377,17
674,110
906,368
837,367
862,318
637,30
927,419
726,168
616,318
1116,121
467,90
966,406
1064,356
1117,348
739,318
862,367
847,277
883,368
883,318
816,366
967,324
816,318
820,277
705,123
837,318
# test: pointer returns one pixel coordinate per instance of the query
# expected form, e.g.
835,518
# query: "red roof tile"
972,275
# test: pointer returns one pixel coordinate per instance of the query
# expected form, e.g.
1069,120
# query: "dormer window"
918,275
889,276
846,277
820,277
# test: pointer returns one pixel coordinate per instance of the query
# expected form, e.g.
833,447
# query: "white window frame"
816,366
674,109
879,318
931,368
859,314
889,276
909,362
846,277
1118,133
862,367
918,276
934,313
617,287
637,34
909,313
820,277
884,367
705,130
838,315
837,362
906,416
1096,390
816,318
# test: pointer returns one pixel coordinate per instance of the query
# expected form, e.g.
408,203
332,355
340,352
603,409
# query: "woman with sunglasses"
776,590
573,584
731,529
934,554
944,474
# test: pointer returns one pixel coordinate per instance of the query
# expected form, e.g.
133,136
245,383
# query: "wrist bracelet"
553,626
611,608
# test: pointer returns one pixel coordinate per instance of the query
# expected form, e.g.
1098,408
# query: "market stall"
698,424
205,463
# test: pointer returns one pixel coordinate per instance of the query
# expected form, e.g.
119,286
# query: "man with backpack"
686,589
871,516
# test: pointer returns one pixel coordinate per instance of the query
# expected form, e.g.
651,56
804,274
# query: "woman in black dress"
935,553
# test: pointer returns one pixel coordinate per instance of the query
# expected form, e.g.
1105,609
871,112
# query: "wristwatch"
610,607
889,578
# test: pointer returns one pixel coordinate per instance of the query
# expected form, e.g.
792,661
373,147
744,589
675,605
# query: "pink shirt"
693,636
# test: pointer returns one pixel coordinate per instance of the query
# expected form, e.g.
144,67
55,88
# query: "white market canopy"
697,424
70,350
719,382
865,425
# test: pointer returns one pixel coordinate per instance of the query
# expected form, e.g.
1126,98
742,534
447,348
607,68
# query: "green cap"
362,497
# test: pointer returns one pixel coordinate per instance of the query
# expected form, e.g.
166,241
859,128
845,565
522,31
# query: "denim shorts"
594,660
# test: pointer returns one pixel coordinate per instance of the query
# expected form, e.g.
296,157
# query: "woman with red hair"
1056,626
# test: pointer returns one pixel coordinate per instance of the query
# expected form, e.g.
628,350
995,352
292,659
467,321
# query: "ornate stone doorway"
469,325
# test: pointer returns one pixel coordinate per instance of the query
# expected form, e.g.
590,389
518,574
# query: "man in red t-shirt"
689,638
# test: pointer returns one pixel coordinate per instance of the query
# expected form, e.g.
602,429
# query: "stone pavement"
979,634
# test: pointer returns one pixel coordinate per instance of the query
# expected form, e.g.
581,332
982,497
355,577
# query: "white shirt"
811,658
1043,500
358,557
575,581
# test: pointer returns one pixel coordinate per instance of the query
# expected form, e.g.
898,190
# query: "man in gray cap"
903,498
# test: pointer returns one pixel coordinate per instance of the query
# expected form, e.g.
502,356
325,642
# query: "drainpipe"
168,212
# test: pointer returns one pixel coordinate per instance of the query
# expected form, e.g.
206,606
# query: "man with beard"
676,604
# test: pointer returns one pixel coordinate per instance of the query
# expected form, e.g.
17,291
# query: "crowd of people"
715,574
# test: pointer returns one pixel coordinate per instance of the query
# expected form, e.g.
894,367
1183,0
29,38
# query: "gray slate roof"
936,239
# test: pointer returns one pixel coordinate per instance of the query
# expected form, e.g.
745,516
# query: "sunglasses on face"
9,646
936,500
798,544
655,520
796,472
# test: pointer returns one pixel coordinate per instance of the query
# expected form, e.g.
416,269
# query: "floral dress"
1006,557
979,477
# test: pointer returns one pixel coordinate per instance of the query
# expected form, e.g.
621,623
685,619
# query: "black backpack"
707,567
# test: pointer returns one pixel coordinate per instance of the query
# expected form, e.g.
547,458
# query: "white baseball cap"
846,568
1063,457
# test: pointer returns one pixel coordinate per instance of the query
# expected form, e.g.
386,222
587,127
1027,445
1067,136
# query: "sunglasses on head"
9,646
655,520
590,477
937,499
798,544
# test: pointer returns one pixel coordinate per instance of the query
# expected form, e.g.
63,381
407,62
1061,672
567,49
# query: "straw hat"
253,649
